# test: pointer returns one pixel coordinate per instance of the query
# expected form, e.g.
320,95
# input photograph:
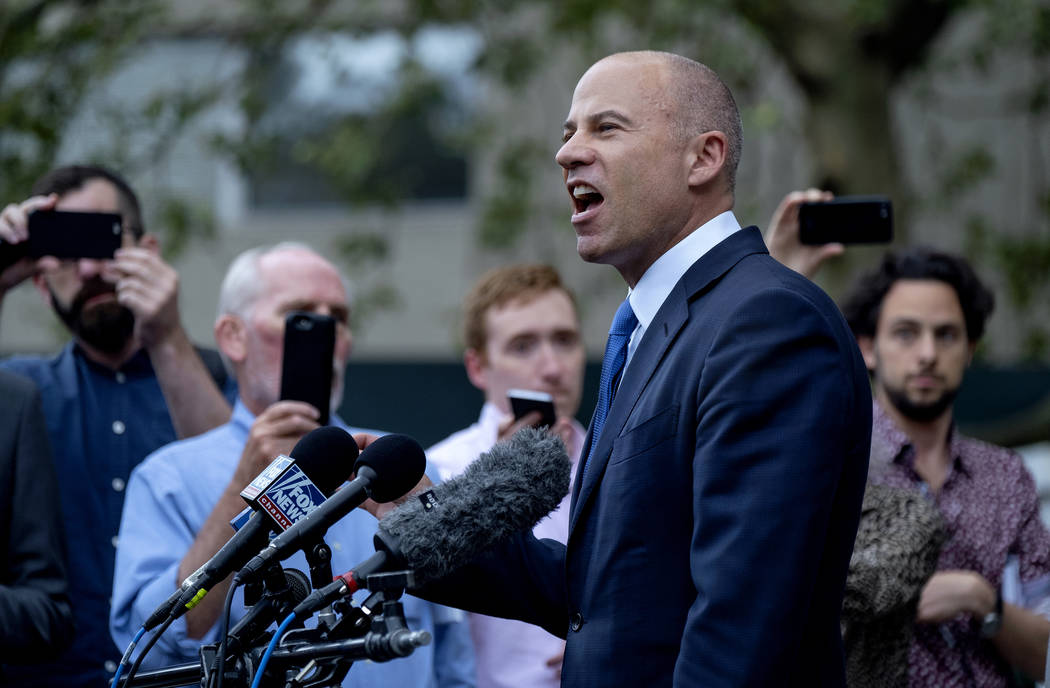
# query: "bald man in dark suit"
719,489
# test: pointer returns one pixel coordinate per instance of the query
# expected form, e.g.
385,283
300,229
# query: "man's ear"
867,350
231,337
474,362
706,157
150,242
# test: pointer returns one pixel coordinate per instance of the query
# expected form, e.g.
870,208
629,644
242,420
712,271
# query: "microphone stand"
271,599
188,674
308,658
280,594
319,557
376,630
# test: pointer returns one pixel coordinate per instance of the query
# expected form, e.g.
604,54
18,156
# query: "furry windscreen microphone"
508,489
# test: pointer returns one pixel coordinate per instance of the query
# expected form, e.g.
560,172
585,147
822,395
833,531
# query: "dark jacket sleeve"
782,443
522,578
35,618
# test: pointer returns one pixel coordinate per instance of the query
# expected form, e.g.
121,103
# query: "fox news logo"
263,480
291,498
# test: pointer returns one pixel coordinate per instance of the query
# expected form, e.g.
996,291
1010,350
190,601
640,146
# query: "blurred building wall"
434,252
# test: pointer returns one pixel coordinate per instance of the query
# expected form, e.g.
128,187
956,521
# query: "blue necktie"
623,325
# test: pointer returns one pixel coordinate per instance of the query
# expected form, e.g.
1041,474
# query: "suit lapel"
663,330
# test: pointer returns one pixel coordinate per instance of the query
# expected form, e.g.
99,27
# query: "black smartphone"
66,234
306,366
522,401
847,220
12,253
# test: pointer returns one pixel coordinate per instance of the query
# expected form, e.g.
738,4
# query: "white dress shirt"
658,281
508,654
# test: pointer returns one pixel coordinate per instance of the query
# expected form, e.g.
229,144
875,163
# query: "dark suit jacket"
710,537
35,618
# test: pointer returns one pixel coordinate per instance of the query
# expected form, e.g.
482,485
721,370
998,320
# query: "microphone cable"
149,646
220,656
125,659
257,681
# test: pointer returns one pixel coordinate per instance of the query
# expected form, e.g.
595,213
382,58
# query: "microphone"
508,489
282,492
386,469
289,489
344,584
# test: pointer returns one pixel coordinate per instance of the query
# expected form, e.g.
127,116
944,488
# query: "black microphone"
386,469
325,456
508,489
345,584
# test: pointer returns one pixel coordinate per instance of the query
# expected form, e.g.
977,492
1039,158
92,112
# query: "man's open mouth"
585,197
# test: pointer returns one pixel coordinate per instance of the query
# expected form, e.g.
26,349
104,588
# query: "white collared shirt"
507,652
658,281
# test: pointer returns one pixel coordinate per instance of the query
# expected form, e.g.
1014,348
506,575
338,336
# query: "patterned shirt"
991,510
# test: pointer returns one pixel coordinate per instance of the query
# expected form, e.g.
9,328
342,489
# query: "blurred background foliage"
410,135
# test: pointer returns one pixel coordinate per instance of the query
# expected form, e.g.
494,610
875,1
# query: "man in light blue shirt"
181,499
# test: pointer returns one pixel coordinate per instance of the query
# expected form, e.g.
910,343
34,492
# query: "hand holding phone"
306,367
847,220
65,235
14,230
524,401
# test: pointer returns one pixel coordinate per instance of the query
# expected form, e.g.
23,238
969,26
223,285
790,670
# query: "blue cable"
270,648
127,656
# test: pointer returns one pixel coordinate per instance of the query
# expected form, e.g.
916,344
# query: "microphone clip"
391,583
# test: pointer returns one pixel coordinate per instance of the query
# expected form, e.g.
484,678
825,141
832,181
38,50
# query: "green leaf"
967,170
181,222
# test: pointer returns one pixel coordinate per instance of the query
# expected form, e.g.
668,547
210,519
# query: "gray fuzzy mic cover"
508,489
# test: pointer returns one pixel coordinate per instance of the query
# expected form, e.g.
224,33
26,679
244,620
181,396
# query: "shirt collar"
955,449
491,416
889,442
242,418
139,365
658,281
489,420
